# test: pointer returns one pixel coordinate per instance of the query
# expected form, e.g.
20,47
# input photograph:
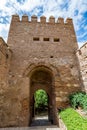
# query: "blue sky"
76,9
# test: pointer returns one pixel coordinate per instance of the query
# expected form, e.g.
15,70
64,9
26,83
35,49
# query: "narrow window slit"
35,38
46,39
56,39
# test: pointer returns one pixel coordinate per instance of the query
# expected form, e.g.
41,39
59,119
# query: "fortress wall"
34,43
82,56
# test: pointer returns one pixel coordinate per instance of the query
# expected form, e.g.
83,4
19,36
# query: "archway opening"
42,79
40,108
41,104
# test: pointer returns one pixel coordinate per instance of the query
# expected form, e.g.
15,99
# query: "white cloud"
81,43
85,28
2,4
82,35
4,30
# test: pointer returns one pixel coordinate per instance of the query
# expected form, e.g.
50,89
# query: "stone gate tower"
42,55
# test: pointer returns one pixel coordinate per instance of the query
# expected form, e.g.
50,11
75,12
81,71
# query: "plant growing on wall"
78,99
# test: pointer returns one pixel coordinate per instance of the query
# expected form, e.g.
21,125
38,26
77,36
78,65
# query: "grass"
73,120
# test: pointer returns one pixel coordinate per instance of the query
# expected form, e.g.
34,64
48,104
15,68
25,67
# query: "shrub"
41,99
78,99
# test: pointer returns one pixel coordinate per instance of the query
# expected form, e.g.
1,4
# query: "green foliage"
73,120
41,99
78,99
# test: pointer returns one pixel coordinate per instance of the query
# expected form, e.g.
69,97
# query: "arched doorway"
40,108
42,78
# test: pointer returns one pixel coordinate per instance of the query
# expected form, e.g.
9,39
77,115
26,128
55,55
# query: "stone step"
33,128
40,123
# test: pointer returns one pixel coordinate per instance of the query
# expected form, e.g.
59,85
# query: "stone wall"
5,55
82,56
40,47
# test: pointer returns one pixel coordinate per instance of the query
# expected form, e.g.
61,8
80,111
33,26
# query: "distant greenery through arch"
41,100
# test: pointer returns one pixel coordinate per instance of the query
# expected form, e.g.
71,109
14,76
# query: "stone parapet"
34,19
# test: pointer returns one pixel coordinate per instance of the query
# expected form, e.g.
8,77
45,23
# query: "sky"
75,9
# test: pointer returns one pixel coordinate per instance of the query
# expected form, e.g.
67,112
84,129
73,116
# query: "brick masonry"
82,56
41,55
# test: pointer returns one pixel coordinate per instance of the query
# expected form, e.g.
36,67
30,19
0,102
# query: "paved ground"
33,128
38,123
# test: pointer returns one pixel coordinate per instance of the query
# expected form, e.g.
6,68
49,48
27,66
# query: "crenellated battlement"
43,19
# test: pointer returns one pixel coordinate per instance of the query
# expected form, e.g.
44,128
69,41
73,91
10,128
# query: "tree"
41,99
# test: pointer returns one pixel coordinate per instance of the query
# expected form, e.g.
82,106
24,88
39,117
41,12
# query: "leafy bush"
73,120
78,99
41,99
